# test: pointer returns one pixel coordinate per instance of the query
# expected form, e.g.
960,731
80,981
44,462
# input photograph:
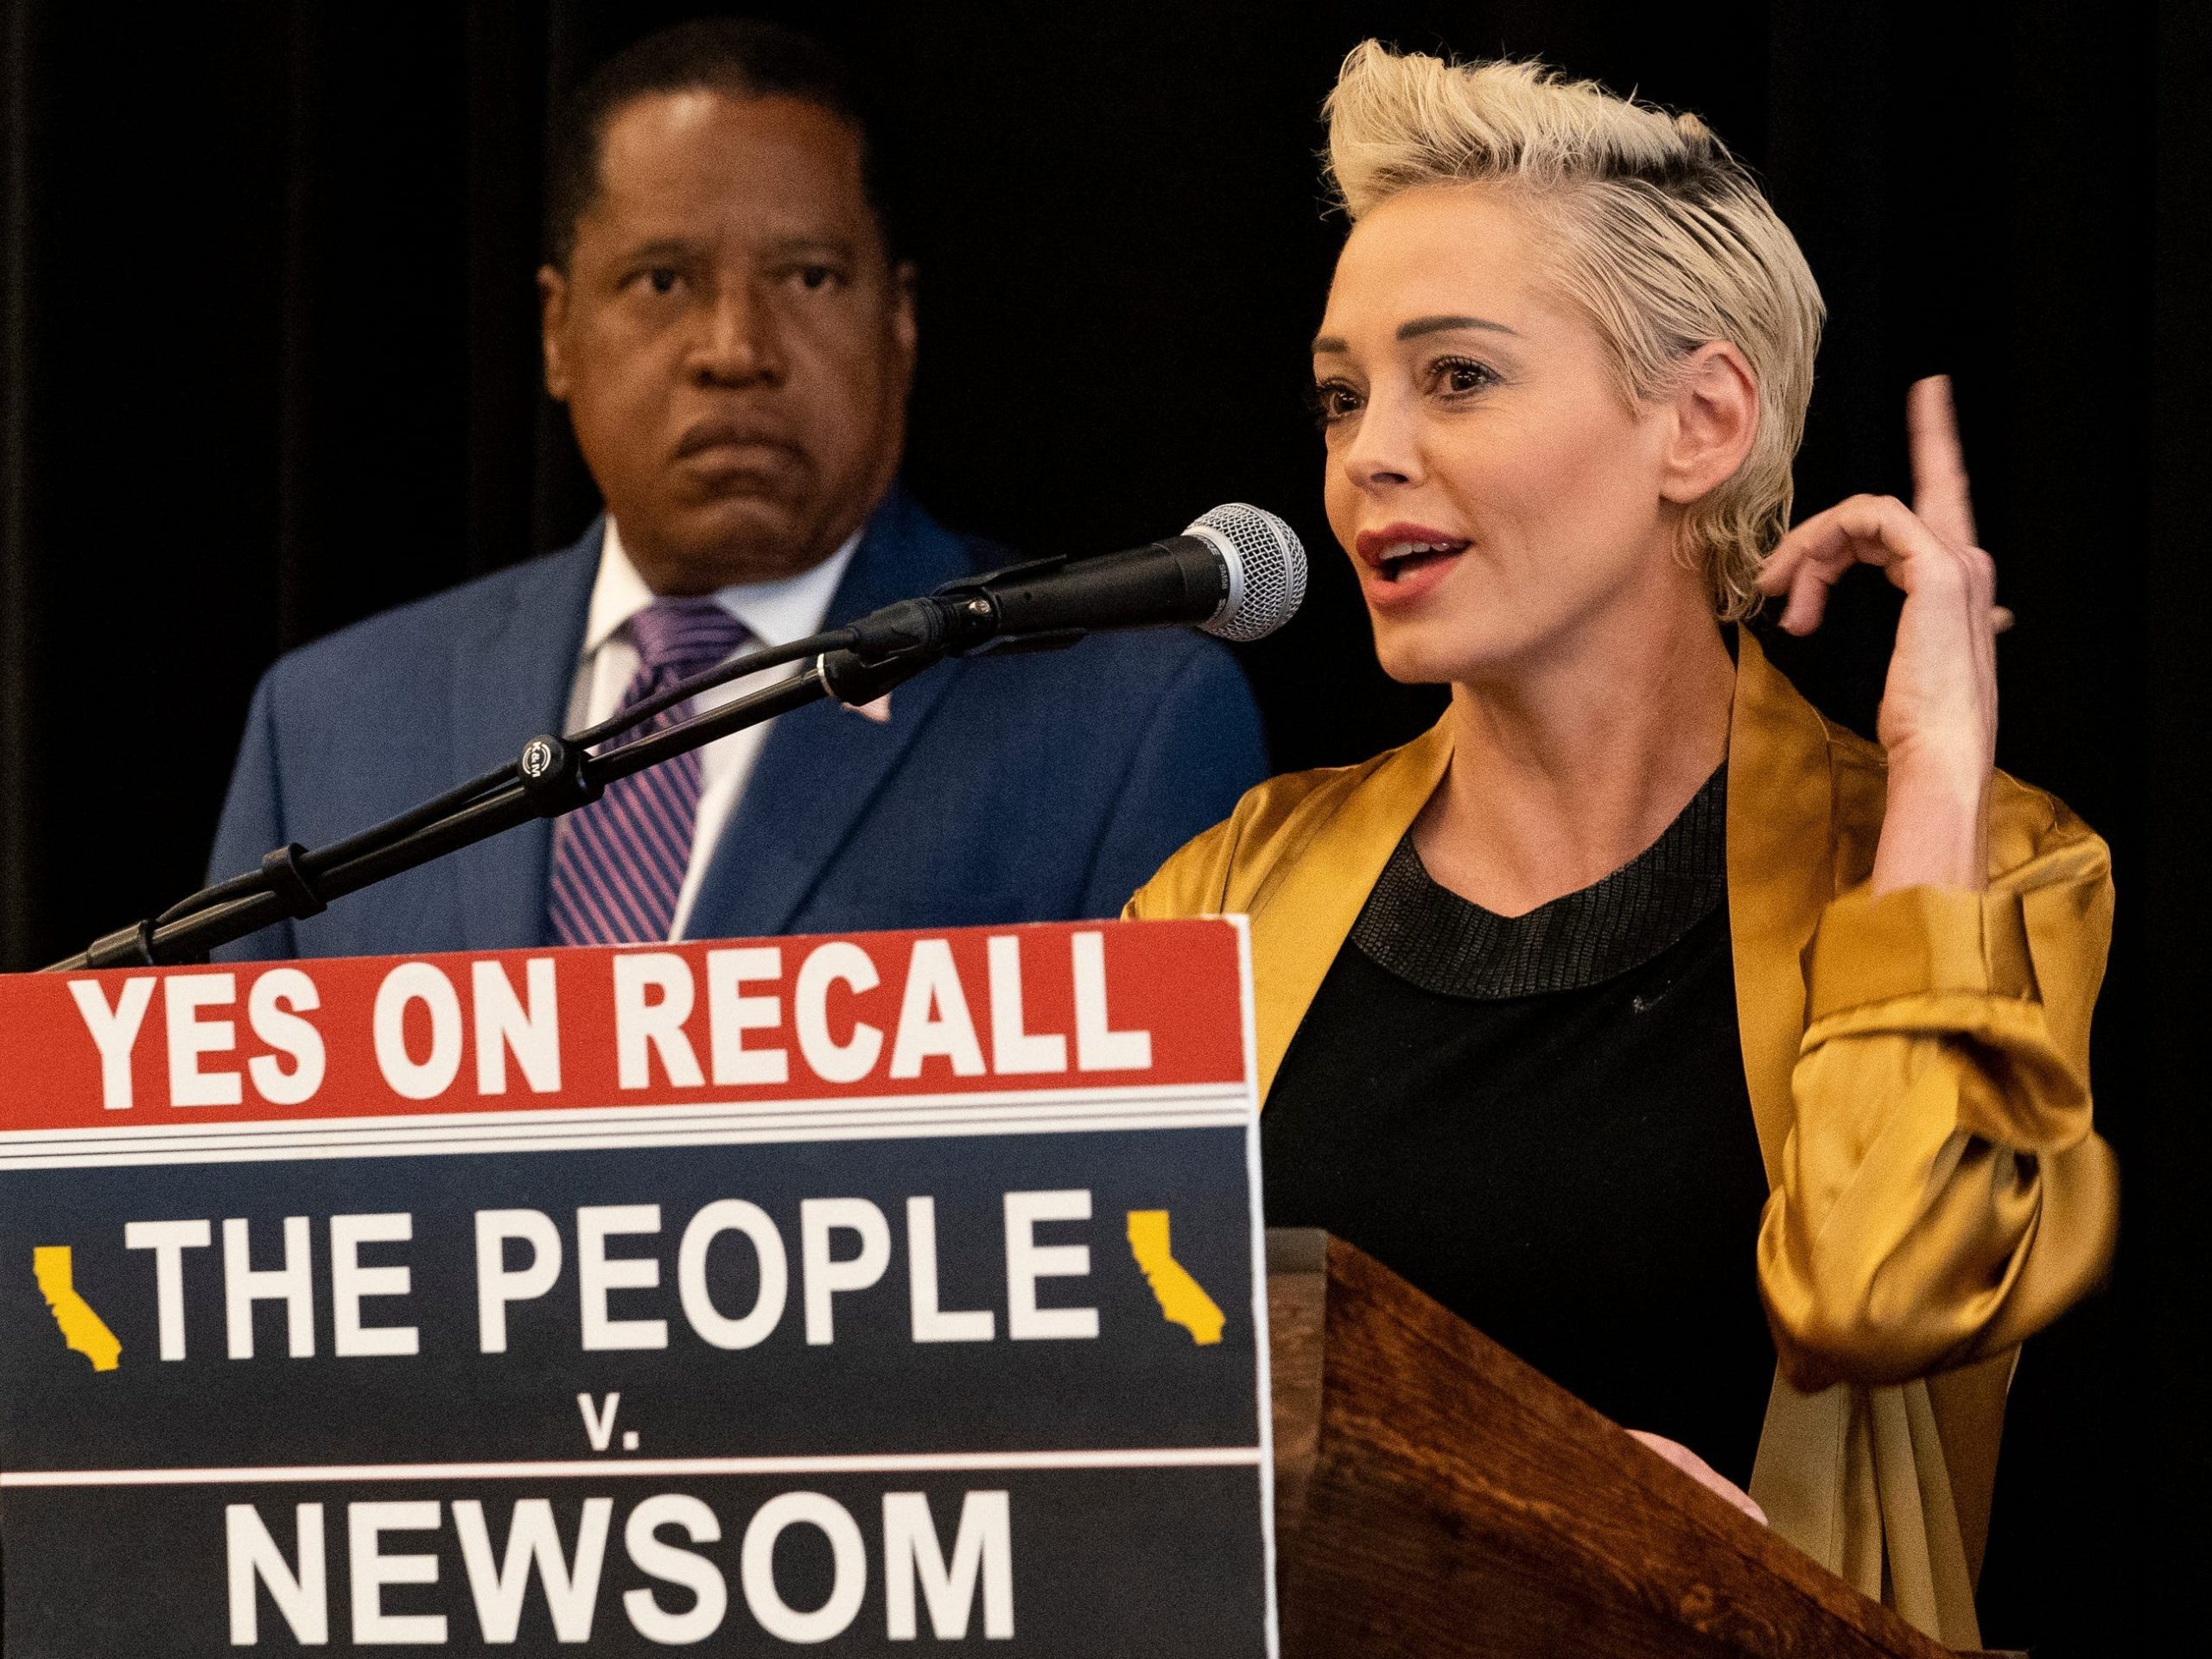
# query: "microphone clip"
975,621
550,773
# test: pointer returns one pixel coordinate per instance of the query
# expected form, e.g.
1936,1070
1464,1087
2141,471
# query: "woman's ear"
1716,415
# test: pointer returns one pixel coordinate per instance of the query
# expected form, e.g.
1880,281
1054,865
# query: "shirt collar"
778,612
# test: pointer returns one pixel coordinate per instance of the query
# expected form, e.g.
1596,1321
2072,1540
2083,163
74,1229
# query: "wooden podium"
1435,1497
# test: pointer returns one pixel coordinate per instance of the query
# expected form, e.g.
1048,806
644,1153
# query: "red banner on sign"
1087,1006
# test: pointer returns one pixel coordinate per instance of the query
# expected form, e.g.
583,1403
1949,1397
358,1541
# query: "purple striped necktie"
619,863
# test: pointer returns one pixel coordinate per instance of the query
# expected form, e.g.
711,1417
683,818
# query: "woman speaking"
1651,1023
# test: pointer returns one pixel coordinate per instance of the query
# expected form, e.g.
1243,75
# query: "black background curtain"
268,359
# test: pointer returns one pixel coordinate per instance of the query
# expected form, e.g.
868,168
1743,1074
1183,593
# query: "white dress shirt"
775,612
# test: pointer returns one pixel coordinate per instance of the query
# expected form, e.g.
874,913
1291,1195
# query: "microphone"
1236,572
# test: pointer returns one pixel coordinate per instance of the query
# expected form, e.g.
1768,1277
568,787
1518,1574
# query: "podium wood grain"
1435,1497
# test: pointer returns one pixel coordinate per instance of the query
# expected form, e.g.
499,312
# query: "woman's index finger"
1941,497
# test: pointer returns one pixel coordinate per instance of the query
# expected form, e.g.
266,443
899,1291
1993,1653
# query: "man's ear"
552,319
905,323
1715,405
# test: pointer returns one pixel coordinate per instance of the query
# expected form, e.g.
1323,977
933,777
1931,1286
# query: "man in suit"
728,317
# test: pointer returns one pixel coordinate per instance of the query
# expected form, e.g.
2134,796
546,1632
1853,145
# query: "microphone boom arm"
1236,571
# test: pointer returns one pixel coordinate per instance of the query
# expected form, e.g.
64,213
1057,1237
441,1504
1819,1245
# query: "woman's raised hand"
1938,722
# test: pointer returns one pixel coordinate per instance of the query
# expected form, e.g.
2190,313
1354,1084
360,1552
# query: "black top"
1542,1121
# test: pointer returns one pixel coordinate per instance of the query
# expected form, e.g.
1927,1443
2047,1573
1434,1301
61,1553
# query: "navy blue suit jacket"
1002,789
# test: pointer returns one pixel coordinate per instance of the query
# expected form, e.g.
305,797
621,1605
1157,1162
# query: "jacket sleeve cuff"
1917,941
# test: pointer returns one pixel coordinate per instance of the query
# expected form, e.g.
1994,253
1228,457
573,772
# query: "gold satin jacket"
1918,1070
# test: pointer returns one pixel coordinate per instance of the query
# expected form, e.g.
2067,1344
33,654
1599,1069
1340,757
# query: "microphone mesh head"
1267,570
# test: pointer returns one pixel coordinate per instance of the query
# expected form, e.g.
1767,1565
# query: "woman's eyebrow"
1421,326
1333,345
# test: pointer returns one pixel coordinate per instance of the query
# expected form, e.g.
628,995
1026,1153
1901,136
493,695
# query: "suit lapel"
1299,928
511,678
821,766
1780,874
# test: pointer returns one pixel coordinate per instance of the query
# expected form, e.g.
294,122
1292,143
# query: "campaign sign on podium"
856,1294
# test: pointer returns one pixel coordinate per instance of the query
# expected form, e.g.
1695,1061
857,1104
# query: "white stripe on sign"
1196,1456
186,1126
902,1127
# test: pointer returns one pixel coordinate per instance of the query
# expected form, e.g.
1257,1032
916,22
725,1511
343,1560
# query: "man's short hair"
745,57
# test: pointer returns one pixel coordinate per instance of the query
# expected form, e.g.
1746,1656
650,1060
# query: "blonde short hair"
1659,235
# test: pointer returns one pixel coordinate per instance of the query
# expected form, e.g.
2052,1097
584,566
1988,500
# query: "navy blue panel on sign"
517,1394
871,1386
1112,1562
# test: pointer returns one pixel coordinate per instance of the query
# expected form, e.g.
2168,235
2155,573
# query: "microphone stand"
552,776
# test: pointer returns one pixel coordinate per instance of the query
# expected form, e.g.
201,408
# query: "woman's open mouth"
1396,561
1399,561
